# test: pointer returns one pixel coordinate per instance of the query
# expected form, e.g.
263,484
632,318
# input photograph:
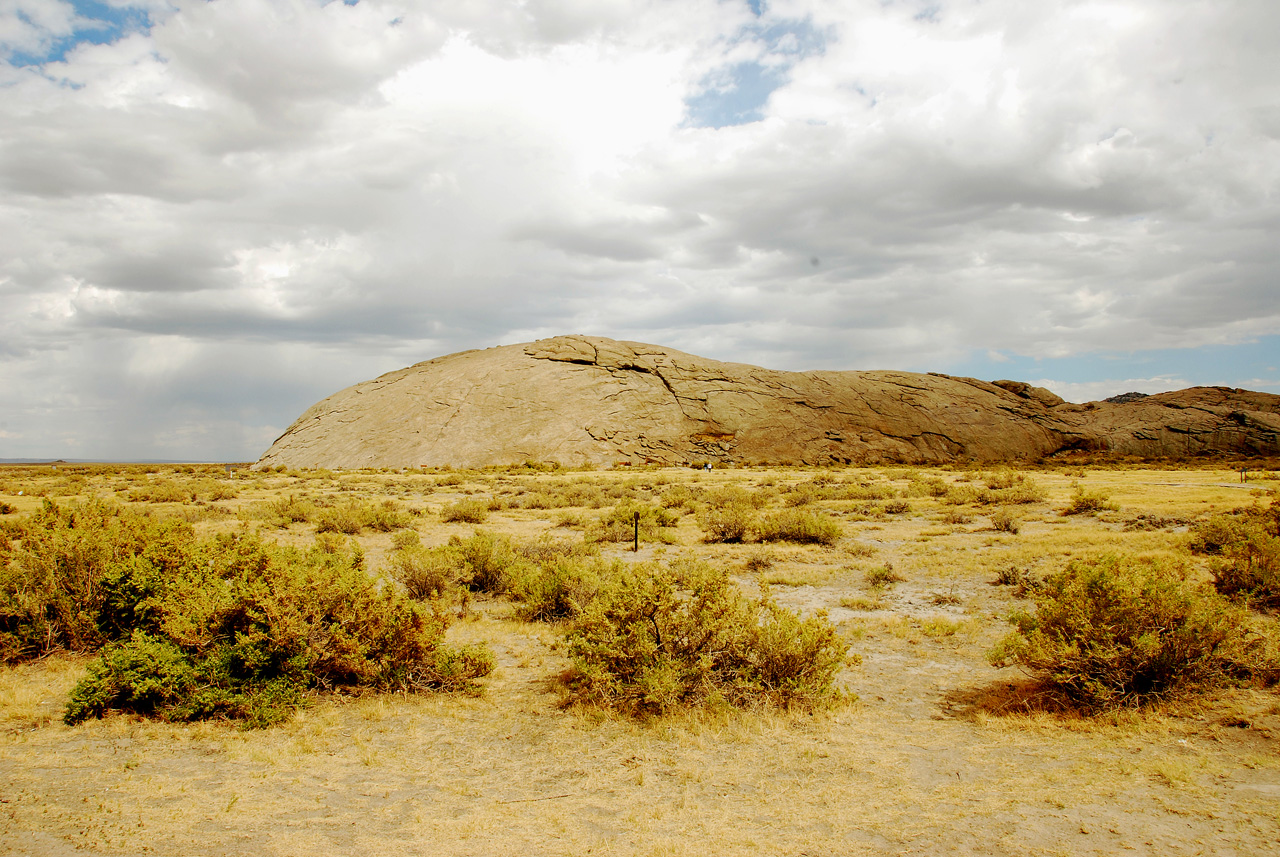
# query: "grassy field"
934,751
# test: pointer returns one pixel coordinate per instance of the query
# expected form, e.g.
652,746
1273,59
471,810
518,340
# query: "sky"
214,214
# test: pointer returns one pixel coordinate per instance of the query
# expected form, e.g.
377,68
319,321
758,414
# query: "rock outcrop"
581,400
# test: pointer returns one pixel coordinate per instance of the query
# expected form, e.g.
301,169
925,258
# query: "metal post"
635,547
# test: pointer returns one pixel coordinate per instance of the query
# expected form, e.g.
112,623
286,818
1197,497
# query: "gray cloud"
208,225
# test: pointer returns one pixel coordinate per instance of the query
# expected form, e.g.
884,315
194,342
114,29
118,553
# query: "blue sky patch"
1251,365
98,24
736,94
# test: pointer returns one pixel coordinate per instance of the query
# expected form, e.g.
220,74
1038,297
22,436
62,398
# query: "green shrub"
728,524
348,517
618,525
291,510
228,626
661,638
425,573
1246,550
1116,631
469,511
248,628
405,539
387,516
62,588
488,562
562,587
799,525
678,497
161,491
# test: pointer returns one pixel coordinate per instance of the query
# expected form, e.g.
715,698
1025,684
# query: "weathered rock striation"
581,400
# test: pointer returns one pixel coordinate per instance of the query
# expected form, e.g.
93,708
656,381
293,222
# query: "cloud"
206,203
1096,391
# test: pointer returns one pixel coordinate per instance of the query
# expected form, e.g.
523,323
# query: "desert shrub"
799,525
1005,521
468,511
7,508
1246,550
425,572
734,495
759,561
728,524
1003,478
897,507
546,549
1012,488
1089,502
883,576
538,500
487,562
1116,631
348,517
618,524
661,638
291,510
1023,581
1023,491
63,586
160,491
678,497
956,518
250,627
962,495
930,486
1212,536
228,626
405,539
860,549
562,587
387,516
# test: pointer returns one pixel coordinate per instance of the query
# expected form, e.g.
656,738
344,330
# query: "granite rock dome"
581,400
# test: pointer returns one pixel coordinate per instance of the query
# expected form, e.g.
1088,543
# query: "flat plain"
933,751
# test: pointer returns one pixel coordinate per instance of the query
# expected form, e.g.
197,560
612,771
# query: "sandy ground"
938,754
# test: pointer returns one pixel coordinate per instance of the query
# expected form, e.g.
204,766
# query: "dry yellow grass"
940,753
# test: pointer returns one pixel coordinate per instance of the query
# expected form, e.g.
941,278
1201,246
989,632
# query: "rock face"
581,400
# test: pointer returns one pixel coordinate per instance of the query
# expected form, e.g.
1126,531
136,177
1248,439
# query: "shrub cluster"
1004,487
1245,546
798,525
180,490
735,523
618,524
1089,502
228,627
466,511
1116,631
351,517
655,639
